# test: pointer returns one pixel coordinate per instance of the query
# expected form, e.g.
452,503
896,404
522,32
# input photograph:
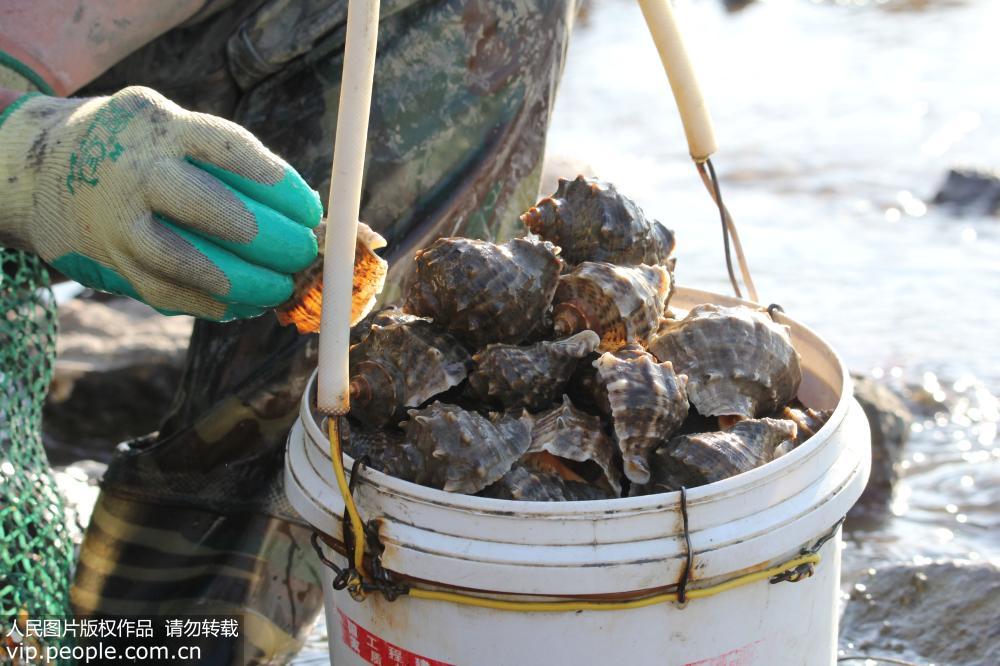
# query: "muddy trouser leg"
194,518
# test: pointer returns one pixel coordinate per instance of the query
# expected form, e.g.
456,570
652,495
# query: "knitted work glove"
133,195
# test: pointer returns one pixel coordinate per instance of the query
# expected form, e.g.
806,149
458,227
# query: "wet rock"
118,364
940,613
970,192
889,420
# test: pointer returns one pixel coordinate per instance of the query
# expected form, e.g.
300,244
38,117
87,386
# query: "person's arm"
134,195
7,98
130,193
69,44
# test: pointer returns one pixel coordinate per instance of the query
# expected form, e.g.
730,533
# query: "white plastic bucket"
608,547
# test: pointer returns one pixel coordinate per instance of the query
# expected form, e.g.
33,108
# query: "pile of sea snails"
551,368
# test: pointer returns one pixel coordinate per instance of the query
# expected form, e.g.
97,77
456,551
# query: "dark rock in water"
940,613
889,420
970,192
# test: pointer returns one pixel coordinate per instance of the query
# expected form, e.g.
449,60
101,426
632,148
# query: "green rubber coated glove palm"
134,195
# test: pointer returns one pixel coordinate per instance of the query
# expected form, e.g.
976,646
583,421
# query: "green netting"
36,553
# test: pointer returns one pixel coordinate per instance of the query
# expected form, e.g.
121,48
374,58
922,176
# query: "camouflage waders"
194,518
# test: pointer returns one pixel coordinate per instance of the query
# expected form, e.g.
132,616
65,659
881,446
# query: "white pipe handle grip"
332,395
694,114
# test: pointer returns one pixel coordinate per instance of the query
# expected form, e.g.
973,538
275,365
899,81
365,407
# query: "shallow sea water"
836,122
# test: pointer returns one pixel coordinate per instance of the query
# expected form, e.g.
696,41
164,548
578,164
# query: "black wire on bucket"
688,555
730,238
725,227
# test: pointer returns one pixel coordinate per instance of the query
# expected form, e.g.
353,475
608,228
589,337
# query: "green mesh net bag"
36,553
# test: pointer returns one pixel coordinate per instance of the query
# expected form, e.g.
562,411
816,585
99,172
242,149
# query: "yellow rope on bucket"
357,527
358,530
562,606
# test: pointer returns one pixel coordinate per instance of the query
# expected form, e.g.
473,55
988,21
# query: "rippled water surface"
836,123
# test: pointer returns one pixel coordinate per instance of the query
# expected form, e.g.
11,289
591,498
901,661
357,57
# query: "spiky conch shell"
385,449
622,304
531,377
738,361
591,221
807,420
402,365
483,292
694,460
463,451
569,433
647,401
585,388
382,317
525,483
